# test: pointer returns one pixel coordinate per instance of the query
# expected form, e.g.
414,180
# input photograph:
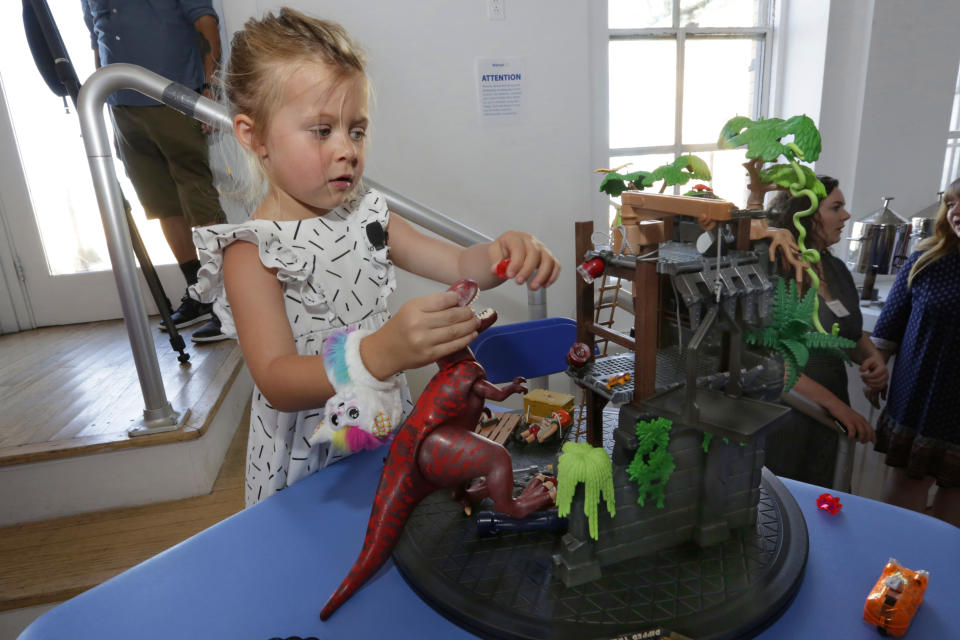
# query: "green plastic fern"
793,335
652,464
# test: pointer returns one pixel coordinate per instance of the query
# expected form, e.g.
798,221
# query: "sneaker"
190,312
209,332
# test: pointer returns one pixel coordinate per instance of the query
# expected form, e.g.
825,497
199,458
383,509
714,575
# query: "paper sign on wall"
500,87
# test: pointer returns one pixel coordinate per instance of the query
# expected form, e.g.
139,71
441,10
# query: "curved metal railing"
158,414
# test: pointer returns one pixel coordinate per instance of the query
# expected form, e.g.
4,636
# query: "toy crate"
541,403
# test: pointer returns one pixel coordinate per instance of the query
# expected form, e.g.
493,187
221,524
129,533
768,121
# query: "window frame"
763,73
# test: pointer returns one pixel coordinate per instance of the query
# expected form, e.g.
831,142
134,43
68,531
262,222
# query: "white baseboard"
127,477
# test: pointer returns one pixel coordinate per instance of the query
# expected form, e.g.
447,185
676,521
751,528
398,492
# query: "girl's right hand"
422,331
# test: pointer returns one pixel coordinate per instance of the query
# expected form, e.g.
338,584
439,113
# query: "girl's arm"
437,259
289,381
873,364
858,427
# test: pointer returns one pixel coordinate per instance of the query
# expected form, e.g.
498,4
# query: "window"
678,70
951,163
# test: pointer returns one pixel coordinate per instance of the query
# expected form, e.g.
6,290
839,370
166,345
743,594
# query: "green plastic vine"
652,464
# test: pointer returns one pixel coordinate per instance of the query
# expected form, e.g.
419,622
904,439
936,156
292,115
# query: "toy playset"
665,521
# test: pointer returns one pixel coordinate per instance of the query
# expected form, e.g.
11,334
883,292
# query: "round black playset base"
504,587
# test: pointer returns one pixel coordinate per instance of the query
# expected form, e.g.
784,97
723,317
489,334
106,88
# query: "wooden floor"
74,389
52,560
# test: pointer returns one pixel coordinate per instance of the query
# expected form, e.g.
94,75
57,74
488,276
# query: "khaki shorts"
166,157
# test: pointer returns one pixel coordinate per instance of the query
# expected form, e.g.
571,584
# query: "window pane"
729,177
642,92
951,163
720,13
955,112
637,14
719,82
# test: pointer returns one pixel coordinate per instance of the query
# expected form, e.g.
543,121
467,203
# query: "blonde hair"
944,239
263,56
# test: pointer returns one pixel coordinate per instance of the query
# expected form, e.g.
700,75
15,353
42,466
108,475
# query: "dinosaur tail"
401,489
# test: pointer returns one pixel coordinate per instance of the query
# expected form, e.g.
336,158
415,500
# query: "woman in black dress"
803,449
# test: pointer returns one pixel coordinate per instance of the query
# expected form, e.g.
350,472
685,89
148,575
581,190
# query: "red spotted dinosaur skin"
434,448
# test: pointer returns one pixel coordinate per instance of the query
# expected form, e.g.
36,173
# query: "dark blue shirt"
156,34
923,319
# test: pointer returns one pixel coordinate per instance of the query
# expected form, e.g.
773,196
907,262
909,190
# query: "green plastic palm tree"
764,141
680,171
792,334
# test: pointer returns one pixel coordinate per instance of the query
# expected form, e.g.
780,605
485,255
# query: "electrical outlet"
496,10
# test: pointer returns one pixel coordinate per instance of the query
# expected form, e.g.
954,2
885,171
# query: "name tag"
837,307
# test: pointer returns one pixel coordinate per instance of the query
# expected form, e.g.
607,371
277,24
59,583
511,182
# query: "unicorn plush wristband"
341,358
364,410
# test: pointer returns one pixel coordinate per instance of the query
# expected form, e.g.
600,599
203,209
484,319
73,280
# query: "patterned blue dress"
919,429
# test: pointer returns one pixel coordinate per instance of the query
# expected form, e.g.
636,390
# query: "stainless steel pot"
879,242
922,223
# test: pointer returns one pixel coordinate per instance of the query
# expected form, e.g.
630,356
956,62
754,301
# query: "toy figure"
544,429
435,447
894,600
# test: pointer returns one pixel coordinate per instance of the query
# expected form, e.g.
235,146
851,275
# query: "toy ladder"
604,304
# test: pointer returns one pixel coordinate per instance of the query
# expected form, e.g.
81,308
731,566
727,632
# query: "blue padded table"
266,572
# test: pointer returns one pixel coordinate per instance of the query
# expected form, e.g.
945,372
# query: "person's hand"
858,427
422,331
526,255
874,396
874,372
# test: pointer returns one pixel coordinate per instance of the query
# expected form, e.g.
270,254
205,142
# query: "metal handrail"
158,414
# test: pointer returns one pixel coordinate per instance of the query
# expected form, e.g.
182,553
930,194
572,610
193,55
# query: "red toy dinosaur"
434,448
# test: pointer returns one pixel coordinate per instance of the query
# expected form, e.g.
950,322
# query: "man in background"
165,152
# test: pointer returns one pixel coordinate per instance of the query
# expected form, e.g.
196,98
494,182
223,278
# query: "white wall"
888,91
428,143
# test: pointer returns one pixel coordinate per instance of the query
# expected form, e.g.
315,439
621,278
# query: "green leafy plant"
680,171
764,139
792,334
652,464
582,462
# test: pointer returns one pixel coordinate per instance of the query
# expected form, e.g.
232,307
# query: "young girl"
317,255
919,430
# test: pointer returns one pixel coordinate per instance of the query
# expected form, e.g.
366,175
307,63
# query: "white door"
51,237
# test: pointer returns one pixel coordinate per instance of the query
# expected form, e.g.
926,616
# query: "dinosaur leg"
451,456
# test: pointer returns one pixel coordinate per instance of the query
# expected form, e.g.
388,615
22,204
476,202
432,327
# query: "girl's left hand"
526,255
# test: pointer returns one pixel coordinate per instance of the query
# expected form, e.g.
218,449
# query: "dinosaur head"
467,290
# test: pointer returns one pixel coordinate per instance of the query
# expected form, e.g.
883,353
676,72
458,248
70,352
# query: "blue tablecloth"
266,572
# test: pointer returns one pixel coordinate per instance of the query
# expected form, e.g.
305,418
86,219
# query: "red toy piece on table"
829,503
895,598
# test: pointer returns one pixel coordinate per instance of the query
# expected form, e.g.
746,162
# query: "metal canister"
922,223
879,242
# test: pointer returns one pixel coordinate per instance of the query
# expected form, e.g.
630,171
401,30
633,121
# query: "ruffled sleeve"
292,267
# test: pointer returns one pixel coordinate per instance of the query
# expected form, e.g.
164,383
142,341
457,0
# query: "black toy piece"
490,523
506,587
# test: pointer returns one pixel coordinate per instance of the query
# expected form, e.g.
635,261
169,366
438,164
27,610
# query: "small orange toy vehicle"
895,598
